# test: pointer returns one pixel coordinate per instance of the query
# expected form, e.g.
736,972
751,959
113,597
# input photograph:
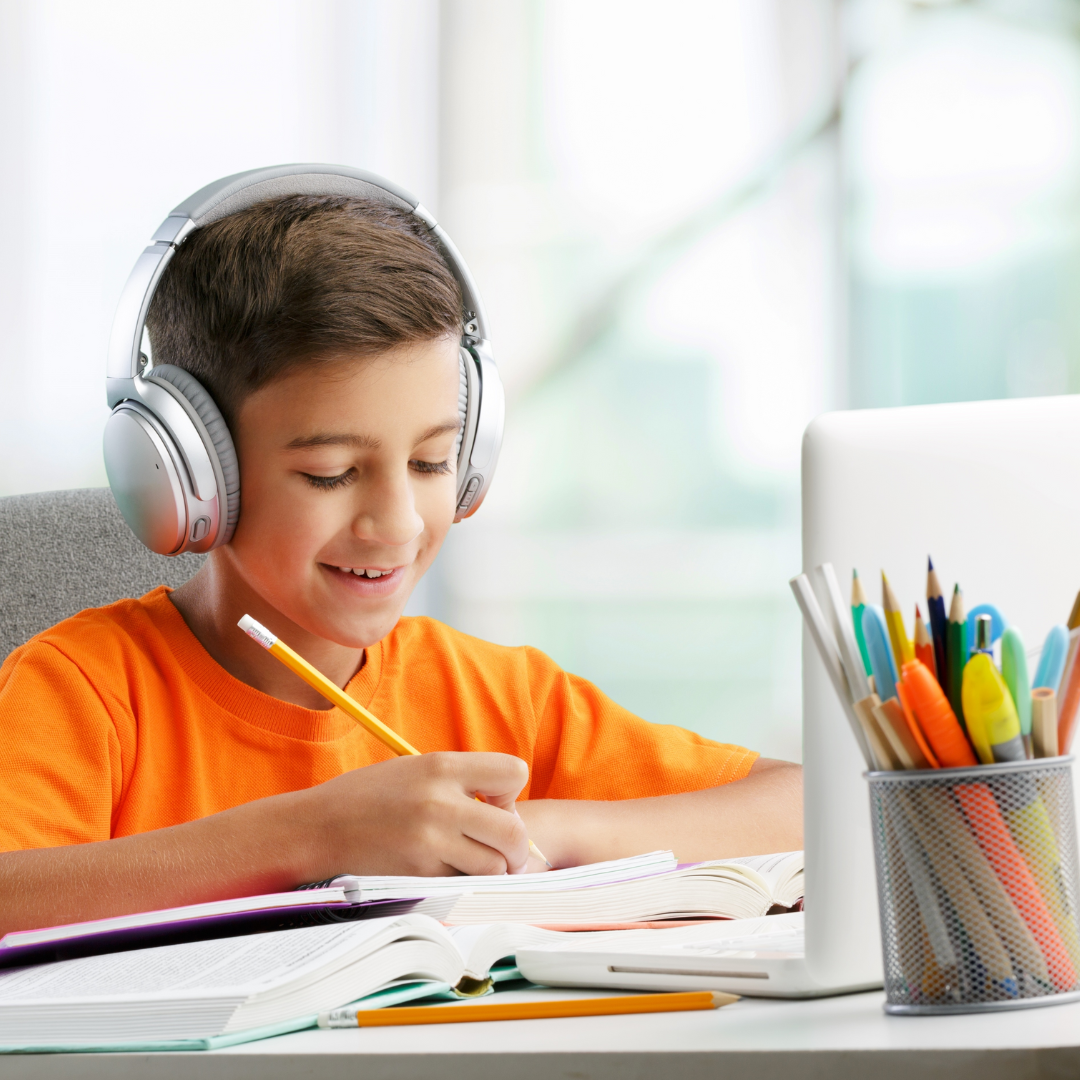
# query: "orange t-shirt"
117,721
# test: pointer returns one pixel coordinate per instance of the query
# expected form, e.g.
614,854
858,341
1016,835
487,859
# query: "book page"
574,877
780,871
232,967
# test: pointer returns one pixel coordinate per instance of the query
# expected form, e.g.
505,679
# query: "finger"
464,855
499,778
500,830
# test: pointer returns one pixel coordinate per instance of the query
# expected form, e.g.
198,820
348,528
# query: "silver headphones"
168,453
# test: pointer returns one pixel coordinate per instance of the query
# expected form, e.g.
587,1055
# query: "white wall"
112,112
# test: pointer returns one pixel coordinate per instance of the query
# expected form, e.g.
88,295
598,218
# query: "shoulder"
99,640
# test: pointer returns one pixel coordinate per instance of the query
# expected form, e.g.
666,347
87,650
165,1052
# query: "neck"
213,602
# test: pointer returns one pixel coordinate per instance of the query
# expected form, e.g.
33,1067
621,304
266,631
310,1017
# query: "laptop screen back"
990,490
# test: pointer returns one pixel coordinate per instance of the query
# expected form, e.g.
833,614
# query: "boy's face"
348,486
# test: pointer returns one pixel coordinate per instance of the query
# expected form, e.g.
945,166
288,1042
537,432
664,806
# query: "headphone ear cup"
221,450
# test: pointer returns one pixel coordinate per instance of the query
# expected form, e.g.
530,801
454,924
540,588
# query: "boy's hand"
419,815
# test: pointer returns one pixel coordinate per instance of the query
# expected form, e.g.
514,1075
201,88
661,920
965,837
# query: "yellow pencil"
332,692
539,1010
894,619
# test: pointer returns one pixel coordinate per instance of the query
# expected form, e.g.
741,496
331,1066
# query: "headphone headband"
234,193
168,452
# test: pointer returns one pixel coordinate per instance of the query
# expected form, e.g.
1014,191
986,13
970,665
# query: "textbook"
205,989
193,922
207,994
646,888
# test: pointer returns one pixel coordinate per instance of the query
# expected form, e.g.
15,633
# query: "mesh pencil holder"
977,882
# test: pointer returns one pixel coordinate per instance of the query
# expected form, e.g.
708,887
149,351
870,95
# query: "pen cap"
876,634
935,716
988,708
984,634
1014,670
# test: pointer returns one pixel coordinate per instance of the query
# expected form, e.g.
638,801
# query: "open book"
260,984
209,988
644,889
194,922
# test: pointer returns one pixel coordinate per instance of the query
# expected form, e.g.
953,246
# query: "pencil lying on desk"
540,1010
332,692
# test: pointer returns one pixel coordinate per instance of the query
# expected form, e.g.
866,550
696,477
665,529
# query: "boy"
153,755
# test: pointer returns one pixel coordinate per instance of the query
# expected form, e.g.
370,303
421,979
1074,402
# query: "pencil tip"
955,589
918,613
929,564
854,574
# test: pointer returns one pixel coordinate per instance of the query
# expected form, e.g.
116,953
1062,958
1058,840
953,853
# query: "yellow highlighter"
332,692
992,720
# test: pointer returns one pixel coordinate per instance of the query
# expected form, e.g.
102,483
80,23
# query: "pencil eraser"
257,631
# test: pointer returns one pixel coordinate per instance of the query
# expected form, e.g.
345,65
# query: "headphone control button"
470,493
200,529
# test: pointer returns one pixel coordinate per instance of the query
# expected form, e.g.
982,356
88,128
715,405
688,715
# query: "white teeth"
345,569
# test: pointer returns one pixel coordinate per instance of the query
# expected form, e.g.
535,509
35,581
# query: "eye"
329,483
429,467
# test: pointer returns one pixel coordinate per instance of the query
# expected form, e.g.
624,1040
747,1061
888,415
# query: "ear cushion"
208,412
462,403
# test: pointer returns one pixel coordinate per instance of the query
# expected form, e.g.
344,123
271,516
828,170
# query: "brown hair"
297,280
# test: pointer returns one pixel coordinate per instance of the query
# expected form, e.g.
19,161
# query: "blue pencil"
939,622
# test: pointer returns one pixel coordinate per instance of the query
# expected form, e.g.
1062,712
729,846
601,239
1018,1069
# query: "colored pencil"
956,654
904,741
877,735
858,605
332,692
1044,722
939,622
1074,615
686,1001
825,644
845,634
894,619
1069,701
924,647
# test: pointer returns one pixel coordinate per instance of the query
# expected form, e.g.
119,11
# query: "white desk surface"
760,1039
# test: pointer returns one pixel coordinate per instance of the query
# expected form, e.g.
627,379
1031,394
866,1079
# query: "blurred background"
696,226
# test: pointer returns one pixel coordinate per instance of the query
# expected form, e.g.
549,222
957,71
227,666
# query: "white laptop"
991,490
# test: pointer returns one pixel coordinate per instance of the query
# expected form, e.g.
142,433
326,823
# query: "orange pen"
913,727
984,816
935,716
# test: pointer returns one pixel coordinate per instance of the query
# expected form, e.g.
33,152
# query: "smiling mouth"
365,572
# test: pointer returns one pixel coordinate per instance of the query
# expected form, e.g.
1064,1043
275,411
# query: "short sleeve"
588,747
61,773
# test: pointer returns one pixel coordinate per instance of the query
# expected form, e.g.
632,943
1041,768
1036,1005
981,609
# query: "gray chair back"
63,551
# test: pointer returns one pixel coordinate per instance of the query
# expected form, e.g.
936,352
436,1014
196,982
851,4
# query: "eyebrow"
363,442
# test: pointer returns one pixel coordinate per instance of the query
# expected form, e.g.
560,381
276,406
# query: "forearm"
251,849
759,814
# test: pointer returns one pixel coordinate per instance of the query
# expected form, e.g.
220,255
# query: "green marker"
858,604
1014,669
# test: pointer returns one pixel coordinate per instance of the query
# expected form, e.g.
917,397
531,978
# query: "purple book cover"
232,924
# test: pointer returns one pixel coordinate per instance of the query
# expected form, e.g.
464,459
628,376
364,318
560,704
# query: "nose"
388,513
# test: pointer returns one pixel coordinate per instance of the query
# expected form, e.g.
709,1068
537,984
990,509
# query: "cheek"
435,502
280,523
